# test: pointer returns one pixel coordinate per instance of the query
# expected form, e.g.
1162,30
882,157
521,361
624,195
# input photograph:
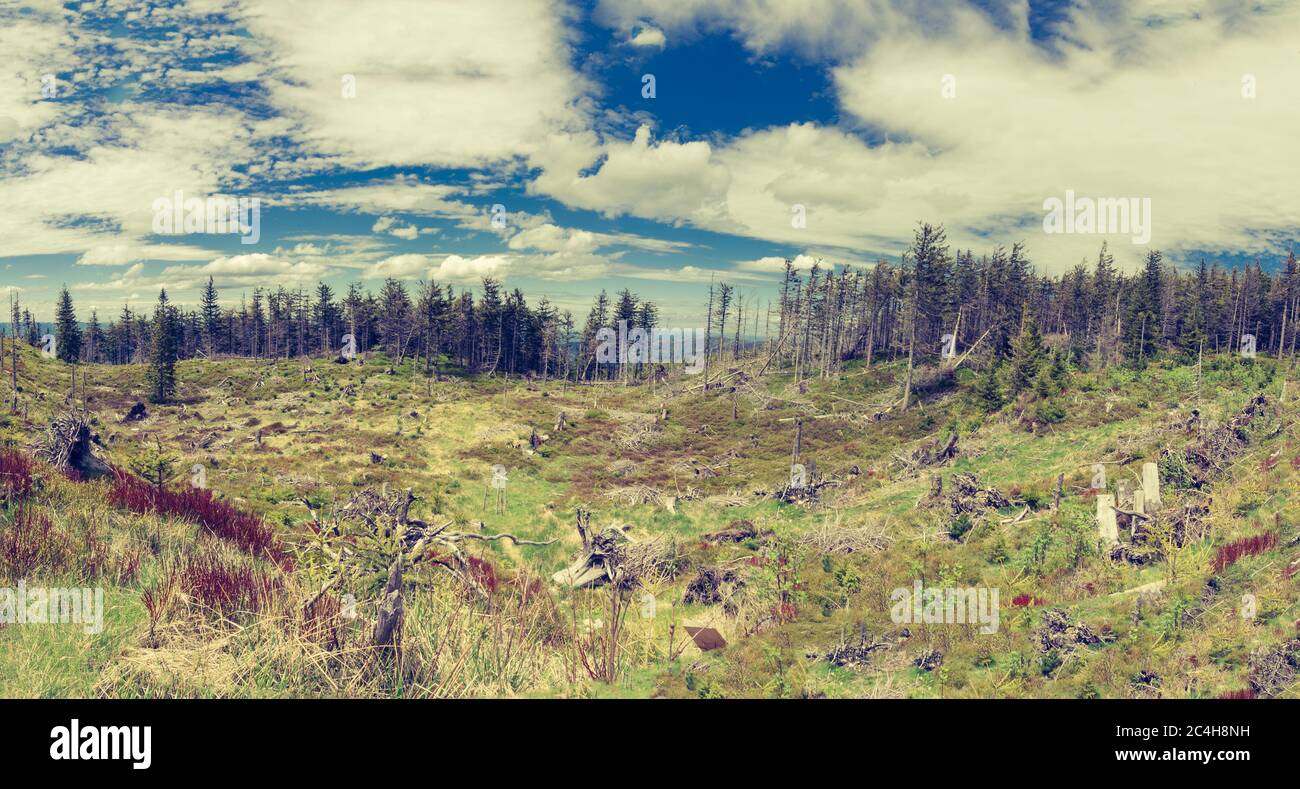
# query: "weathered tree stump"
1107,523
392,609
1151,484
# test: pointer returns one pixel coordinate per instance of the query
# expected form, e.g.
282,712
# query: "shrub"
1247,546
1174,470
960,526
1048,412
229,587
15,476
247,532
32,543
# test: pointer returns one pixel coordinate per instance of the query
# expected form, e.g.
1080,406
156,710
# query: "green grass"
441,440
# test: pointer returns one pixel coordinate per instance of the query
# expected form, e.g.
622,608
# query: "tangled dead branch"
633,495
375,529
933,453
736,531
1063,636
850,654
1272,670
968,497
714,585
1212,456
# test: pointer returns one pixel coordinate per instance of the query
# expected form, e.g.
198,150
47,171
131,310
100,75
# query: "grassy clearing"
283,439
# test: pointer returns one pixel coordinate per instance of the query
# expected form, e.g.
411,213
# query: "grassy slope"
320,422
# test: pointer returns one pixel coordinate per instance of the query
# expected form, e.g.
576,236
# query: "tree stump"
388,621
1107,523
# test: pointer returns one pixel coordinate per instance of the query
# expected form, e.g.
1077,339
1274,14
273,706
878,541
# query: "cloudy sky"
652,144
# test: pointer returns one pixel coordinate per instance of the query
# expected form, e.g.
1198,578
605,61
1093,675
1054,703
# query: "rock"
706,638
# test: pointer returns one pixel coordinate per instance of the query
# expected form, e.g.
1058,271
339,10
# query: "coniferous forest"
817,320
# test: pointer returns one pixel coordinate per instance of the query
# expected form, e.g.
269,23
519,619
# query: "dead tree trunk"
911,355
392,609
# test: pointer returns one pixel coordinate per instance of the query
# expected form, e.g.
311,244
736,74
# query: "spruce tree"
161,375
325,316
1026,354
126,345
94,339
211,313
1143,333
66,332
987,392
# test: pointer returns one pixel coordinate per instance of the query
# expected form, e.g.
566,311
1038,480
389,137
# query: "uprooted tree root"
68,444
612,556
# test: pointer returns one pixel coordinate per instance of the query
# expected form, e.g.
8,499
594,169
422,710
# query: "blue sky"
379,136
